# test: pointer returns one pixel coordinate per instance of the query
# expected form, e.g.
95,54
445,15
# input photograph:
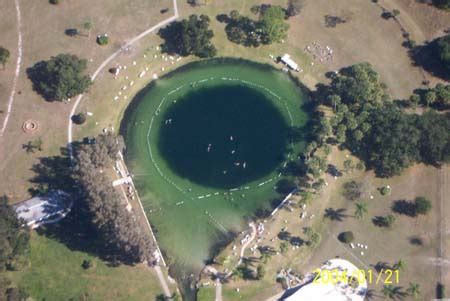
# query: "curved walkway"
18,65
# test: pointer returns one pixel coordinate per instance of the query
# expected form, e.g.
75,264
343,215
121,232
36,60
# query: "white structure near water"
44,209
286,59
332,289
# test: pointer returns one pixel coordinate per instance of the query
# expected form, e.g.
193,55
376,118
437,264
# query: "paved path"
162,281
218,289
18,66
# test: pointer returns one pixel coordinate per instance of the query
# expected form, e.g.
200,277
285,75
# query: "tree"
434,142
272,25
260,271
389,291
294,7
346,237
4,56
312,236
444,4
60,78
352,190
361,209
400,265
189,36
423,205
414,290
88,26
284,247
79,118
443,51
14,237
116,226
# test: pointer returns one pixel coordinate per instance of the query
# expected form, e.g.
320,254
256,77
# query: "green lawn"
55,273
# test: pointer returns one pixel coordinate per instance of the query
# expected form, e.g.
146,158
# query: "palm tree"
389,291
361,209
414,290
400,265
393,292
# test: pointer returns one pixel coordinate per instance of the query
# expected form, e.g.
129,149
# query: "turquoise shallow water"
188,136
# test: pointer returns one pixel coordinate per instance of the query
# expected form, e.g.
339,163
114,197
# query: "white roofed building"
332,284
286,59
44,209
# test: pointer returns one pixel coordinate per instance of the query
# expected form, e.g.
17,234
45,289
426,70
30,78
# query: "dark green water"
223,136
223,105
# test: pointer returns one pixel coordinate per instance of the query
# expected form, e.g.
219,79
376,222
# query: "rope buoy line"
216,193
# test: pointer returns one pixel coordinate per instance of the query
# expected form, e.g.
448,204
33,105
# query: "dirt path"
18,66
244,247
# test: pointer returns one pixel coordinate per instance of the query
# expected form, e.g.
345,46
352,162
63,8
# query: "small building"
332,284
44,209
286,59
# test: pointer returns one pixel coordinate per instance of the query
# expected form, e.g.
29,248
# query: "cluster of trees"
434,56
444,4
14,246
437,97
443,51
377,130
60,78
14,238
116,226
420,205
189,36
269,28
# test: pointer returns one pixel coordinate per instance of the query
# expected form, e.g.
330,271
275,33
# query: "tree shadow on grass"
426,56
336,214
404,207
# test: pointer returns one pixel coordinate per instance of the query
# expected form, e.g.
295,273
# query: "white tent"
289,62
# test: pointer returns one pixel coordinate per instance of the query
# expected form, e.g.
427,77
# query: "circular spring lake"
207,144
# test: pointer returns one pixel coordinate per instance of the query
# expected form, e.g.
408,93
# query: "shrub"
54,2
79,118
385,190
103,40
423,206
87,264
346,237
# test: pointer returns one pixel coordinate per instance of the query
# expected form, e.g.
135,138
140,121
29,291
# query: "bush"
423,206
103,40
352,190
385,190
79,118
346,237
54,2
87,264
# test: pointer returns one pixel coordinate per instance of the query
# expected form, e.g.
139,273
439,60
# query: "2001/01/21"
334,276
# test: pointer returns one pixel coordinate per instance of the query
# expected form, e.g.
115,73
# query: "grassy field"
385,245
54,273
